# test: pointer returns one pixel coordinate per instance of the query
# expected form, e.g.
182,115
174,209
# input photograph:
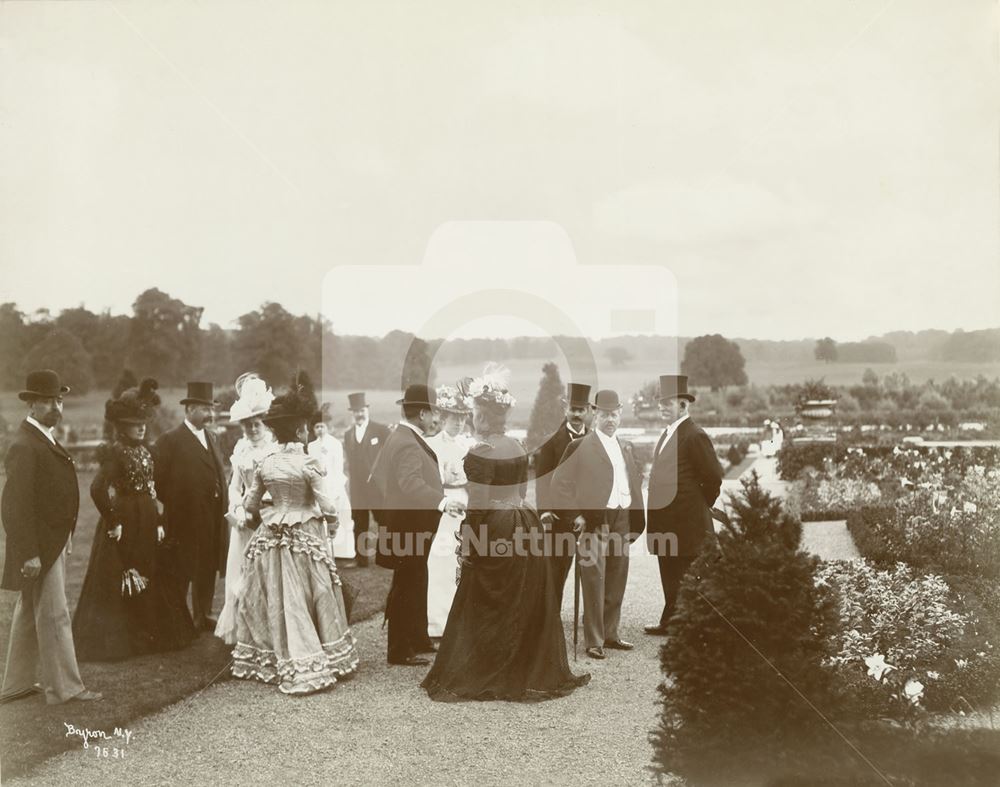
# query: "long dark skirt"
504,638
109,626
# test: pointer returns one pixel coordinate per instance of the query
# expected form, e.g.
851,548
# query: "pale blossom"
913,690
877,666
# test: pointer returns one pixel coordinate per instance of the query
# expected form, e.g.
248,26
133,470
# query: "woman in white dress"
451,445
330,453
254,399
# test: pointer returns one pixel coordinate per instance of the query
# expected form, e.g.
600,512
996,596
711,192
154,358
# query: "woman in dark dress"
504,638
124,609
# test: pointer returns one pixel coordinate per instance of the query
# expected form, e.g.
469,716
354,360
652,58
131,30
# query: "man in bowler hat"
191,484
40,503
409,481
362,442
546,460
598,487
684,483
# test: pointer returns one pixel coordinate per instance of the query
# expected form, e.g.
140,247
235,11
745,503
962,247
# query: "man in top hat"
191,484
546,459
362,442
40,503
598,486
683,485
413,498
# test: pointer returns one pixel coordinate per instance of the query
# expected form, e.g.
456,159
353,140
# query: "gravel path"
829,540
378,727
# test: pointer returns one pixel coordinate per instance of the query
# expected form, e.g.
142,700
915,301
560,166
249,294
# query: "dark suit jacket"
409,484
191,484
546,459
360,461
40,502
683,484
582,483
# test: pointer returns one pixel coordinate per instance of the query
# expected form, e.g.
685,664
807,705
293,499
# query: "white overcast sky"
797,168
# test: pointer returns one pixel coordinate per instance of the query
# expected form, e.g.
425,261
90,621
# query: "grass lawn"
31,731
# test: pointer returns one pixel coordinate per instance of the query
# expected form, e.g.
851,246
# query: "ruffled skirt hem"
297,675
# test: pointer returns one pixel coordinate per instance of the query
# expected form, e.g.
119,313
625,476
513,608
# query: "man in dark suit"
40,503
362,443
191,484
683,485
409,481
546,460
598,484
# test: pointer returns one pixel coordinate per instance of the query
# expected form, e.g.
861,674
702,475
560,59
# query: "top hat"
419,394
674,385
42,385
607,400
356,401
578,394
200,393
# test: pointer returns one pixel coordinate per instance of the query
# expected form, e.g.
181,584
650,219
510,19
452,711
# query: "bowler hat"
674,385
356,401
578,394
419,394
607,400
200,393
42,384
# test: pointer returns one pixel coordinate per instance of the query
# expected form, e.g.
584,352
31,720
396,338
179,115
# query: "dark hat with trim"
298,402
674,386
42,384
135,405
200,393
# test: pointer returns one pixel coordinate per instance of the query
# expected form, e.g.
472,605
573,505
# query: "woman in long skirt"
291,621
504,639
254,398
124,608
450,445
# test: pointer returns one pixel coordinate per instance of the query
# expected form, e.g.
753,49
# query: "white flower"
933,675
969,508
961,663
877,666
913,690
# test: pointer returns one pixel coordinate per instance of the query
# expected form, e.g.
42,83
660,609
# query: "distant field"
526,374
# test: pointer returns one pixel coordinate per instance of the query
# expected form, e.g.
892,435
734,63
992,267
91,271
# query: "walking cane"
576,605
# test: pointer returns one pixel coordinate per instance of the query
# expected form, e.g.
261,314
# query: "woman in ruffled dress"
125,608
450,445
330,452
291,621
254,398
504,639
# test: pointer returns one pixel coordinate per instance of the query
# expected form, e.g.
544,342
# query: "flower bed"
883,463
954,529
909,641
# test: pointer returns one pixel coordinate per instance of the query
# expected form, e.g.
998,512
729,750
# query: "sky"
768,170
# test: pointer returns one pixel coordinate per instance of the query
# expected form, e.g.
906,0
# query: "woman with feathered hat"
450,445
291,620
504,639
125,608
253,400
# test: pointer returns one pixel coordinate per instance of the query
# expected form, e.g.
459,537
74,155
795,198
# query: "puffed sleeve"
100,488
252,498
314,474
